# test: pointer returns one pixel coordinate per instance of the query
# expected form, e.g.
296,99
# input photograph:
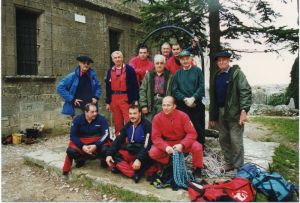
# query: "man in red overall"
141,63
89,138
121,90
173,129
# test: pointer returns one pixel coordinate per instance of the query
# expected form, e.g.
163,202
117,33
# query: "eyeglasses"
86,62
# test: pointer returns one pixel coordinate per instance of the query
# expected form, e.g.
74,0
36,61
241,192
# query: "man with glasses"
79,88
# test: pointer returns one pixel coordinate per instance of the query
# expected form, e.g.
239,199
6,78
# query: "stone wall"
60,39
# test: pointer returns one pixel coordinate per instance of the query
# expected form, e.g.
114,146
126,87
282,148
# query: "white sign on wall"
80,18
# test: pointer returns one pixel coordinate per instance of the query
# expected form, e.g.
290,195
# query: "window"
26,31
114,42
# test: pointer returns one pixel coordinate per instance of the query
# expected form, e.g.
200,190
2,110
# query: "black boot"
197,172
115,170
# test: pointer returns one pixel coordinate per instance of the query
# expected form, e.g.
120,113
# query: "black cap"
84,59
225,54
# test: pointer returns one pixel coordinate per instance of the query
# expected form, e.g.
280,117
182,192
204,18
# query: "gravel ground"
23,183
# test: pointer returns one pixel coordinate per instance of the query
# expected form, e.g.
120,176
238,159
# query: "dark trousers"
77,154
197,116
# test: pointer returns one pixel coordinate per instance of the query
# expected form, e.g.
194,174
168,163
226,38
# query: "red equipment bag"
235,190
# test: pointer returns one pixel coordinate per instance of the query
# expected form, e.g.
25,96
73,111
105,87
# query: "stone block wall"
60,39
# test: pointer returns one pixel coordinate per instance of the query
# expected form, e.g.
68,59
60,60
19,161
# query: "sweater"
188,83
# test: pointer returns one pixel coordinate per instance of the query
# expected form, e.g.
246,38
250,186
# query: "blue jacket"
66,88
82,129
131,82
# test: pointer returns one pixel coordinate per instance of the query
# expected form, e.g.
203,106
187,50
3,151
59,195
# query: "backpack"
271,184
235,190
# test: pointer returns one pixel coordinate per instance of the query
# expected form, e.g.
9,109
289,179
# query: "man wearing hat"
79,88
230,100
188,90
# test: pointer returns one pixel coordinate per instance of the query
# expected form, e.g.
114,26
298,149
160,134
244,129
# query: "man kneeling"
173,129
89,138
129,151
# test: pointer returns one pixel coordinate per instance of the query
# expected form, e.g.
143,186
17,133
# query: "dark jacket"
238,97
121,141
67,87
147,88
131,82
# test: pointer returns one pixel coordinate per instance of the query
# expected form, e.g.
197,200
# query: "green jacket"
147,88
239,96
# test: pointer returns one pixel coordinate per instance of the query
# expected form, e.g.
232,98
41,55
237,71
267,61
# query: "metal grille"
26,28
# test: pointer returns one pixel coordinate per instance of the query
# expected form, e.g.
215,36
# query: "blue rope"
181,176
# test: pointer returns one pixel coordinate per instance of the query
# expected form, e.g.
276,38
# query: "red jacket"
140,67
175,128
172,66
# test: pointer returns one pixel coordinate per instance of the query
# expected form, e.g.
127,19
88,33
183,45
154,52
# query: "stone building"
40,42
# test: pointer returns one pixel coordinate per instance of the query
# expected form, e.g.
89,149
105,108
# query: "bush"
277,99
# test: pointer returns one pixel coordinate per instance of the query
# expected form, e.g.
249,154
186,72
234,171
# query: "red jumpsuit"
140,67
119,101
175,128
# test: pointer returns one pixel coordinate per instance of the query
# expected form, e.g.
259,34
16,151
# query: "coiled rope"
180,173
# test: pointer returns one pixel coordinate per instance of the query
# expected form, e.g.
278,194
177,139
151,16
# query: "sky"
271,68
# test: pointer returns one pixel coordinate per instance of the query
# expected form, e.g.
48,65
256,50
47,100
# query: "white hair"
159,57
117,53
166,44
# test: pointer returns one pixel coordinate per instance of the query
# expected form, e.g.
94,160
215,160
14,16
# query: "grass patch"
289,128
119,193
286,157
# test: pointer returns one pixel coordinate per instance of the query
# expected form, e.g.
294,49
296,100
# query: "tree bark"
214,35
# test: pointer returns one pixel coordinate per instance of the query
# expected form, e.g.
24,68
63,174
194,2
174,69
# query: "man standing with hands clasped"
230,100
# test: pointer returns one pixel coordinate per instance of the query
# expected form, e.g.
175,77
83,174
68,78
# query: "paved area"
258,152
52,159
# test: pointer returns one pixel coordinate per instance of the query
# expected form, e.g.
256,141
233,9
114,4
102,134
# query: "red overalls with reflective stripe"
119,100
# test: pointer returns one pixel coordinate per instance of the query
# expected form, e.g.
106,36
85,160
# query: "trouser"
231,140
77,154
163,157
124,163
119,108
197,116
156,108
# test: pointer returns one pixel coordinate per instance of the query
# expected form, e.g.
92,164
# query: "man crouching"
129,151
89,138
173,130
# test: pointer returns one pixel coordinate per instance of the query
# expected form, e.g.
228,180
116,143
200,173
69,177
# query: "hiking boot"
65,175
136,177
197,172
226,168
103,164
115,170
79,163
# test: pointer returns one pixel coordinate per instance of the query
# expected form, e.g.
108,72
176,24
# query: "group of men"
157,108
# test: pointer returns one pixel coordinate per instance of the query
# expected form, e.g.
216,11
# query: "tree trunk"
214,35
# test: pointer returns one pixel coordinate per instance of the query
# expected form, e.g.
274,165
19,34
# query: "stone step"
52,159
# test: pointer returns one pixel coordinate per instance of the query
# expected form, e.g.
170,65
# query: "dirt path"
22,182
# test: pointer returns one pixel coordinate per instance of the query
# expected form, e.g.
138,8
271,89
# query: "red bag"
237,190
